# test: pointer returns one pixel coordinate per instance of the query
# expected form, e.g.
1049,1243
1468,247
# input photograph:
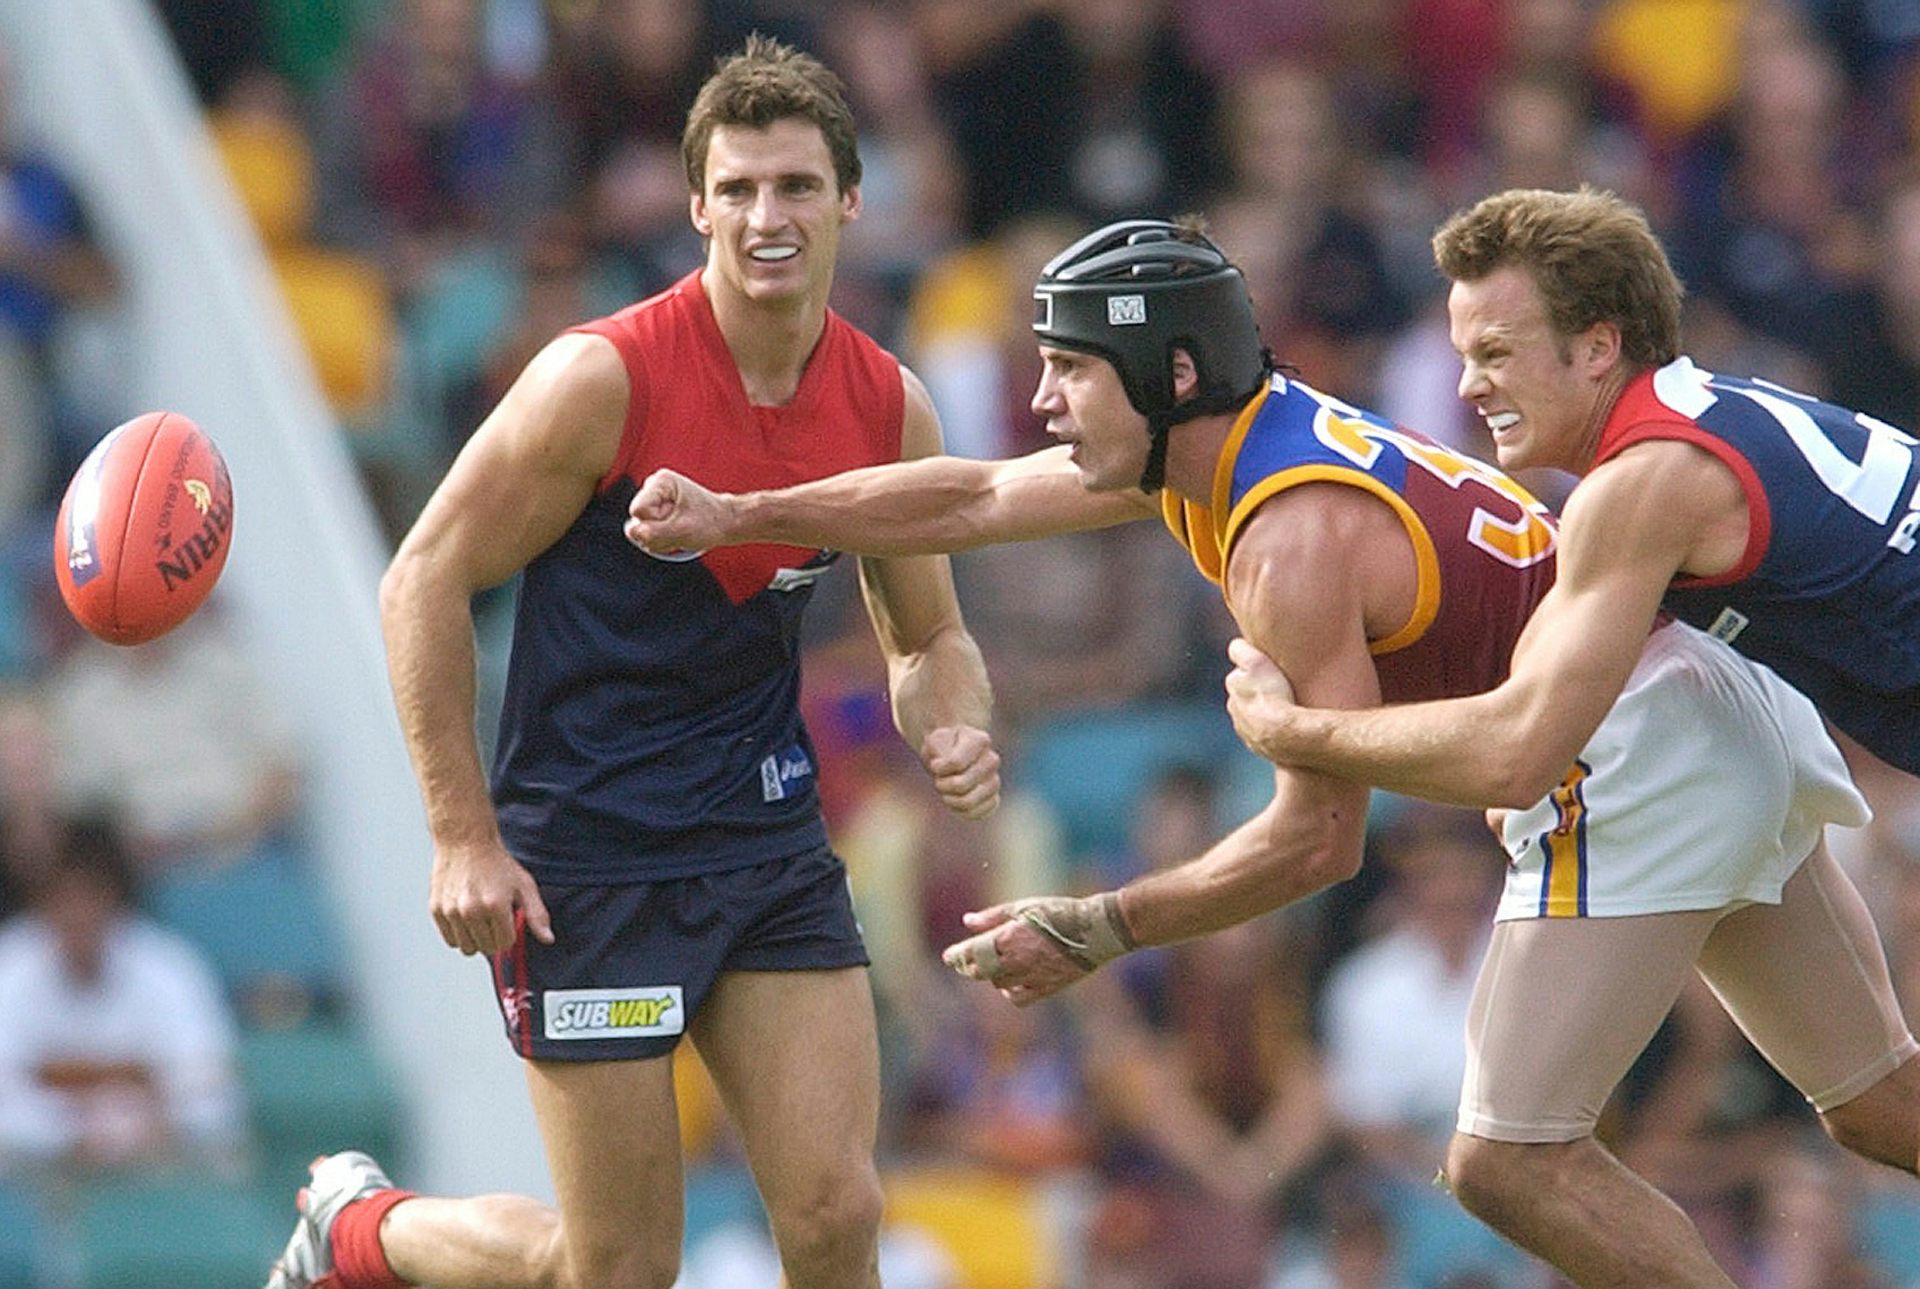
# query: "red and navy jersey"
651,725
1827,592
1483,546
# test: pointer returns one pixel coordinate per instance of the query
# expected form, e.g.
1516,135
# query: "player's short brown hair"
1592,256
765,82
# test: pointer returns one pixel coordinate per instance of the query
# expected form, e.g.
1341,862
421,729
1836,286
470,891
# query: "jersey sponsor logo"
1126,310
781,770
792,579
644,1012
1727,627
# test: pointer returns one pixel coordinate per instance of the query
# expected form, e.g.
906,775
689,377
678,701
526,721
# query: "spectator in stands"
339,301
180,740
1086,105
424,147
998,1088
1394,1010
624,74
1776,223
1210,1087
1296,222
911,184
50,265
30,821
1874,364
118,1049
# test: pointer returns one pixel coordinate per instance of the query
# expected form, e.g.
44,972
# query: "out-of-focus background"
333,230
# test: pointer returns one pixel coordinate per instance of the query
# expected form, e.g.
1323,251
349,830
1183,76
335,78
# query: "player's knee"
1488,1176
1882,1123
833,1220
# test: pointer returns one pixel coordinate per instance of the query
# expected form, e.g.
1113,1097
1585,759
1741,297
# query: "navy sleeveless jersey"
1827,592
1483,545
651,726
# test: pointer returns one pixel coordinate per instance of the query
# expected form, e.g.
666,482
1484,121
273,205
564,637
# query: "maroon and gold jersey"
1484,547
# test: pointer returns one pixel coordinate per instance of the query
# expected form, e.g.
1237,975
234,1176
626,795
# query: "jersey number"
1870,485
1520,542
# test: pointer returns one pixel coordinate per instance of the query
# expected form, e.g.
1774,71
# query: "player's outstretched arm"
933,505
1628,528
521,480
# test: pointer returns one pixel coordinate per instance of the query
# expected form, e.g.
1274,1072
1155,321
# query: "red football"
143,530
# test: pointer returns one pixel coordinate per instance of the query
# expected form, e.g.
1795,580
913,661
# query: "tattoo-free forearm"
942,684
431,663
1268,862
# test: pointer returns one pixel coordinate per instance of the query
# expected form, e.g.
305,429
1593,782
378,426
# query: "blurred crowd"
442,185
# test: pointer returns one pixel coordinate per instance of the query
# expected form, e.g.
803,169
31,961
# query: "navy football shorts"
631,964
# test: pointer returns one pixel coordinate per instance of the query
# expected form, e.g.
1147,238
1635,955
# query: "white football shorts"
1708,783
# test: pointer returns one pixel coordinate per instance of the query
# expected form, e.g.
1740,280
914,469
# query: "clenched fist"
965,769
671,514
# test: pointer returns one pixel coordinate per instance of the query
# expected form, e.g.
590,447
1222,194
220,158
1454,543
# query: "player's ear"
697,211
1598,348
1185,375
850,204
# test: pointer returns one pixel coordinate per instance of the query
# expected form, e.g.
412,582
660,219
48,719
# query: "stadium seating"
23,1238
314,1090
1091,767
199,1232
287,933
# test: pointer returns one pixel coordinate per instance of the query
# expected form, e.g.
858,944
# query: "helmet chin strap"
1160,425
1154,476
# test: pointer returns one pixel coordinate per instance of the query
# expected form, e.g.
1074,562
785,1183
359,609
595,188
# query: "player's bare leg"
795,1057
1574,1205
613,1147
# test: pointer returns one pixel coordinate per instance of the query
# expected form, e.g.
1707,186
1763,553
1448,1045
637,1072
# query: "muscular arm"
931,505
1302,581
522,479
942,703
1628,529
1294,586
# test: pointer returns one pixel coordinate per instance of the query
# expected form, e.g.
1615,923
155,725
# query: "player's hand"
1259,699
965,769
1035,947
671,513
475,892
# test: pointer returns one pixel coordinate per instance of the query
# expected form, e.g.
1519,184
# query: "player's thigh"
612,1137
1561,1009
796,1058
1807,981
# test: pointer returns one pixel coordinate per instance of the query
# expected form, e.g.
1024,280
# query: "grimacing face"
1086,406
772,211
1538,401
